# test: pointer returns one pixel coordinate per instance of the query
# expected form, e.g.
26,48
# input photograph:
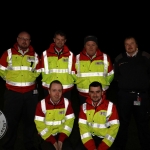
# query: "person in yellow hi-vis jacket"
19,67
92,65
54,119
58,63
98,121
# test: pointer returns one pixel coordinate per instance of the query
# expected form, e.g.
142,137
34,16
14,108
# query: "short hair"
131,37
55,81
95,84
59,32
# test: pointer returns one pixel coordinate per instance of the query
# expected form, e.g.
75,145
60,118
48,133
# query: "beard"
23,46
95,99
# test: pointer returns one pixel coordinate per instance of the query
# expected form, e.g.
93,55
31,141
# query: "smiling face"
95,93
59,41
130,46
55,92
91,48
23,40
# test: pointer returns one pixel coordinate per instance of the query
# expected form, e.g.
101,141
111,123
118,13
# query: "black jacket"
133,73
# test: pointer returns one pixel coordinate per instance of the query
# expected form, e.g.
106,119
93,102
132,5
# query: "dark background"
109,21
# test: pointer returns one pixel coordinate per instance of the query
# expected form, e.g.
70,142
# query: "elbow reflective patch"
85,135
68,128
111,73
3,68
83,121
39,118
69,116
112,122
110,138
44,132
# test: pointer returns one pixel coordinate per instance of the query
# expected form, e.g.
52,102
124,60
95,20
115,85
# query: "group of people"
102,124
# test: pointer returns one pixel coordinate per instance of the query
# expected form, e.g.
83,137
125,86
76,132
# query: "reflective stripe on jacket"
53,119
20,71
58,68
99,69
101,121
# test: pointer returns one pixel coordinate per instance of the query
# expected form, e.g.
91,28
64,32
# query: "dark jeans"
49,146
141,116
19,106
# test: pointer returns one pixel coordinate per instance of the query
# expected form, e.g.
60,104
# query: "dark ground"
133,142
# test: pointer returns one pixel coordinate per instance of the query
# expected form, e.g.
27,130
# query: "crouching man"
98,121
54,119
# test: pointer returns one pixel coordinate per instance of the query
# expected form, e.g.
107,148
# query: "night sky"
110,23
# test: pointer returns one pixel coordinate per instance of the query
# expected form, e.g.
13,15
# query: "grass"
133,142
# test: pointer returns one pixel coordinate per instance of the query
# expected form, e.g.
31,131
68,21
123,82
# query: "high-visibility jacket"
98,69
56,67
52,119
101,121
20,71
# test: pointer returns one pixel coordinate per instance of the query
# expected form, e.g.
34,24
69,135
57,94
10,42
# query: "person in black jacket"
132,72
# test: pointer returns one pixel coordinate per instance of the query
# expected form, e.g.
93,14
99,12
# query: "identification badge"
65,60
99,63
35,91
62,112
30,59
137,103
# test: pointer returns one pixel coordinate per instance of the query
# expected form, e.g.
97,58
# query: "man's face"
55,92
59,41
95,93
23,40
130,46
90,48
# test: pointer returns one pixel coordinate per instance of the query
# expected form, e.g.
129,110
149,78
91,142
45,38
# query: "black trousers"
19,106
82,99
141,115
44,145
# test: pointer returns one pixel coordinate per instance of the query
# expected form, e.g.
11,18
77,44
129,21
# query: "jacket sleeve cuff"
103,146
62,137
51,139
90,145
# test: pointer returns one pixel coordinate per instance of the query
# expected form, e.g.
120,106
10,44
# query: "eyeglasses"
23,39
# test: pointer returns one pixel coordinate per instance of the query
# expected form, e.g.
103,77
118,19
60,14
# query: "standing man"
58,63
19,67
98,120
54,119
132,71
92,65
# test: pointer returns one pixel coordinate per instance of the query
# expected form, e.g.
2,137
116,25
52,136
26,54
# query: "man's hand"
56,146
60,145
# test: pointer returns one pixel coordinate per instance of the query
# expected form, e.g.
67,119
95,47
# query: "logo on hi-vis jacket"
65,59
99,63
103,113
62,112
